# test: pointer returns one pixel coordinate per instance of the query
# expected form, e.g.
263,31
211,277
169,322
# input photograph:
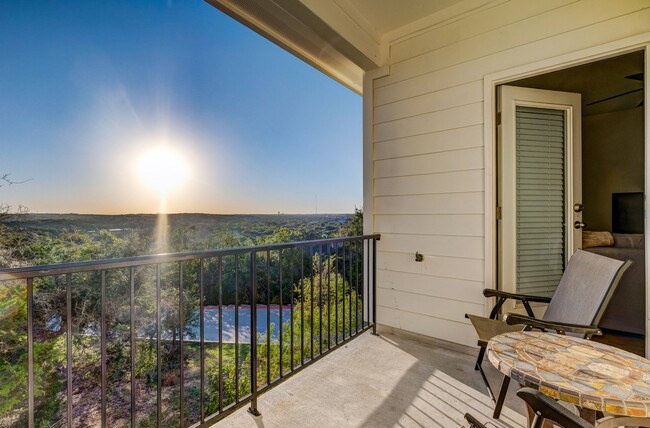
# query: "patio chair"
545,409
579,302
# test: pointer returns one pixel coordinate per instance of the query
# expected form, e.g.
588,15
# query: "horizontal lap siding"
463,159
428,147
432,142
469,247
447,203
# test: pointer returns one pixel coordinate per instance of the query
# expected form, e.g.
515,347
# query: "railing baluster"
374,286
291,291
181,329
237,328
201,339
355,245
132,327
158,352
268,317
350,290
363,283
367,280
302,306
344,287
320,299
30,351
103,347
329,300
336,292
220,334
253,293
311,301
68,315
281,307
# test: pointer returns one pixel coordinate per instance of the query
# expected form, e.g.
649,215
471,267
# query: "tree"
7,211
354,227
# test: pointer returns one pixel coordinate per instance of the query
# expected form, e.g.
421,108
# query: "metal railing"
175,339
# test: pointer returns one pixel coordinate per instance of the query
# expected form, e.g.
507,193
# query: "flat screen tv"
627,212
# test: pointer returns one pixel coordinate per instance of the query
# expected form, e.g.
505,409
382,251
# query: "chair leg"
485,381
479,367
502,397
479,359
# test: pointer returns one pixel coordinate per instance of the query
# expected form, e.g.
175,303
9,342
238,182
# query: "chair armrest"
502,296
488,292
560,327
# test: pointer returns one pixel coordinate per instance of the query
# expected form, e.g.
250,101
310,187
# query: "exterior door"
539,209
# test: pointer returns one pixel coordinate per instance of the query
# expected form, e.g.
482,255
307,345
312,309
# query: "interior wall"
612,162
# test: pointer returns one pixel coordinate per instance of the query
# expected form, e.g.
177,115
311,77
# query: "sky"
89,88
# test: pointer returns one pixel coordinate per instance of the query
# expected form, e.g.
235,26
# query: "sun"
162,169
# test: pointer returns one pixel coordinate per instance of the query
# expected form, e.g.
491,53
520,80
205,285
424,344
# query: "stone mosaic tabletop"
586,373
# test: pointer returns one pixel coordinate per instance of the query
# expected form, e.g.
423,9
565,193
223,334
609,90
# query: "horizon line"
179,213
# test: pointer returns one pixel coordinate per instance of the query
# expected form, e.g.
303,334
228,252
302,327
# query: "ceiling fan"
636,76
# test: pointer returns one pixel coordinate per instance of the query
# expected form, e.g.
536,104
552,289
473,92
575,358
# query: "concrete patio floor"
383,381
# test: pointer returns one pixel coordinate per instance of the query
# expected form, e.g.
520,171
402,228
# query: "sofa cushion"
629,240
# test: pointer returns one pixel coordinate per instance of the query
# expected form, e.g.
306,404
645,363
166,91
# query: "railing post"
30,352
374,286
253,293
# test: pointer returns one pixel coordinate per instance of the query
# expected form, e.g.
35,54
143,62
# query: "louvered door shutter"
540,199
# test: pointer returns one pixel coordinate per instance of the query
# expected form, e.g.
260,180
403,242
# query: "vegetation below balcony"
123,344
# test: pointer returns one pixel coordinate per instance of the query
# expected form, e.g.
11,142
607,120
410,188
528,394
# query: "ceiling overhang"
343,53
344,38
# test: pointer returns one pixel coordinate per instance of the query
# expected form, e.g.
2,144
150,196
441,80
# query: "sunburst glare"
162,169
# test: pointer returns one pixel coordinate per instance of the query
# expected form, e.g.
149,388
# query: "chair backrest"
585,289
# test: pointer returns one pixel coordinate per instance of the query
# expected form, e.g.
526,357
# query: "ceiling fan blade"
636,76
615,96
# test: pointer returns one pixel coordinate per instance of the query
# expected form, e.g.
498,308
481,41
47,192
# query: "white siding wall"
428,148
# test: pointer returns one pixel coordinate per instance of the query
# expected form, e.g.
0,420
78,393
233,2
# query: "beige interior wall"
612,156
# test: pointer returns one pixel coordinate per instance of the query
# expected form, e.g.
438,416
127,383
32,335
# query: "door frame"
491,81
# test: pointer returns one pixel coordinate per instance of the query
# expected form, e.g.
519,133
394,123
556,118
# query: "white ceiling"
387,15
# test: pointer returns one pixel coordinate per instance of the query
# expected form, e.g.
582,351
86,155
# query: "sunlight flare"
162,169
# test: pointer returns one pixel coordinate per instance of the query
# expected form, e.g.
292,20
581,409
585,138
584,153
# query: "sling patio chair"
581,297
544,409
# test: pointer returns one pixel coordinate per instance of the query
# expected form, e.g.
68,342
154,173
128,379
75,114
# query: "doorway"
610,174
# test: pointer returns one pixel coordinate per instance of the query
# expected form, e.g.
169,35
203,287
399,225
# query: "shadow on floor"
438,389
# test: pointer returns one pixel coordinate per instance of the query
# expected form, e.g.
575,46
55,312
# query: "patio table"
588,374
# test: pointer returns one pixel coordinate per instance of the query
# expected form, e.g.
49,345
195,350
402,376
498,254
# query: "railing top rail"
86,266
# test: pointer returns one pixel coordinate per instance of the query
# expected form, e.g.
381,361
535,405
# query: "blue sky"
89,86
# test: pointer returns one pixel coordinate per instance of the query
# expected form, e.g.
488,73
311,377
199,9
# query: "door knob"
578,207
579,224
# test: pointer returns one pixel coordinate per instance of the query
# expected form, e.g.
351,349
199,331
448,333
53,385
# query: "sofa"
626,311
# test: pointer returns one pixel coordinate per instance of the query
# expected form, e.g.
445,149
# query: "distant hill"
237,224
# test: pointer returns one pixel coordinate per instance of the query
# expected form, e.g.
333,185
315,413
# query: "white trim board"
491,81
368,146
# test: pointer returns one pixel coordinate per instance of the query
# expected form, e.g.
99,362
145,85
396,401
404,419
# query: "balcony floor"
383,381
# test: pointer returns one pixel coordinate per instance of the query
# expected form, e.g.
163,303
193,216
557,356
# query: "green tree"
354,227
